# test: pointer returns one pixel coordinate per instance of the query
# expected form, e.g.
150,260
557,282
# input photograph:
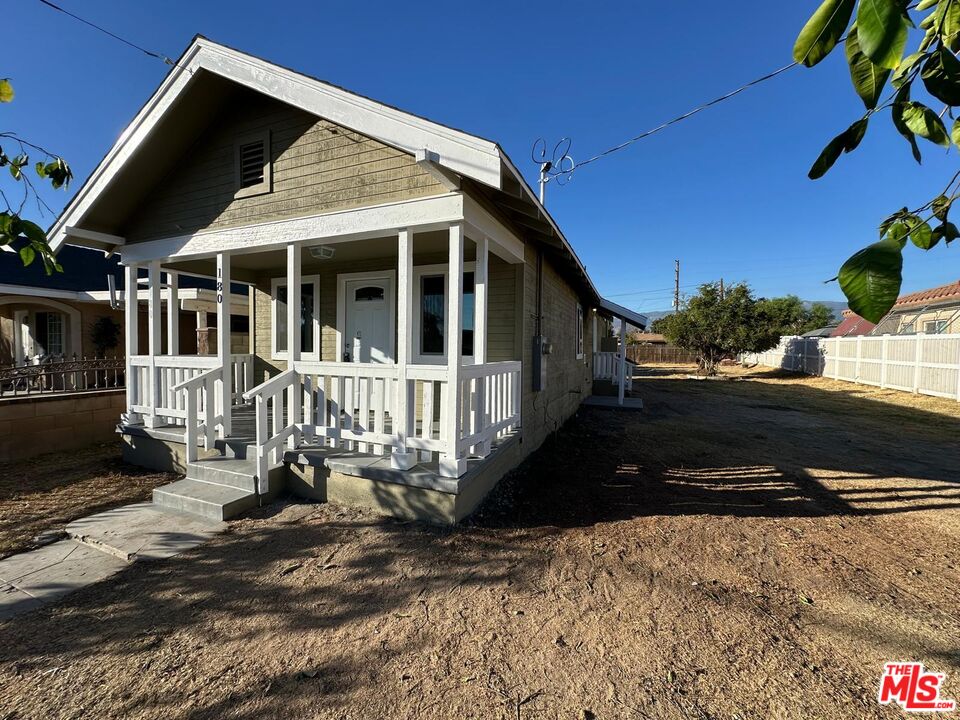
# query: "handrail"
197,380
270,385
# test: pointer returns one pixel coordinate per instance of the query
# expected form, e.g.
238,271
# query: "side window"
309,296
579,331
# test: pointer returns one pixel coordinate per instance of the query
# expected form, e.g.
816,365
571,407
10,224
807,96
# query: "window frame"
275,284
266,185
419,271
936,322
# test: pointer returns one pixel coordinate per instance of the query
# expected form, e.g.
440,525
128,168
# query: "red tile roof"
852,325
940,294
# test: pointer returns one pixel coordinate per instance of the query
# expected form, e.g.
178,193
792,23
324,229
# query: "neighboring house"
443,327
825,331
852,325
50,316
935,311
647,338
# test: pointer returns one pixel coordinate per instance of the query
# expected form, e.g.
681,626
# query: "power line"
150,53
680,118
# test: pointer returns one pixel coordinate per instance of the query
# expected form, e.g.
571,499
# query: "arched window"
369,293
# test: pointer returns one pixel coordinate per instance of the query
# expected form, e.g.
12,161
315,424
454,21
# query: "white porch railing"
162,399
201,398
351,406
606,366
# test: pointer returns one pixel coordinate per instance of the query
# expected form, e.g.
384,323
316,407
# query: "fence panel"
924,364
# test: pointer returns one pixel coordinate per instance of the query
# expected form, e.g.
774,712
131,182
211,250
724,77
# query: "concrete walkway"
98,546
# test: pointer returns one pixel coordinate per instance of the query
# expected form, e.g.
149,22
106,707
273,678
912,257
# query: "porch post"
401,458
202,325
294,400
223,342
452,462
153,335
480,294
130,318
623,360
173,314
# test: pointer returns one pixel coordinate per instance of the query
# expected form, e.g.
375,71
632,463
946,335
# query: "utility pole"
721,288
676,285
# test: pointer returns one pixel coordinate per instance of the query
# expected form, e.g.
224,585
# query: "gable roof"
481,162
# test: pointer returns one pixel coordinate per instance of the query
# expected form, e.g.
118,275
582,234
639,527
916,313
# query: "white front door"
368,336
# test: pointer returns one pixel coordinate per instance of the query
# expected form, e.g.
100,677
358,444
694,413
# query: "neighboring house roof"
852,325
83,270
944,294
825,331
196,80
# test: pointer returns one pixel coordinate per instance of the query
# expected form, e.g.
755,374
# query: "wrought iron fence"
61,374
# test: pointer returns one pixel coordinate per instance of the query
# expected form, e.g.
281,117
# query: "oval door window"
368,293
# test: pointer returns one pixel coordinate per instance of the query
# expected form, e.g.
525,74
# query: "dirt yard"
741,549
42,495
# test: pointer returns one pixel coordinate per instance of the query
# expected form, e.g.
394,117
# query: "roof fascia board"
329,228
505,244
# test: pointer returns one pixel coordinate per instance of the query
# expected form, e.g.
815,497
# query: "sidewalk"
97,547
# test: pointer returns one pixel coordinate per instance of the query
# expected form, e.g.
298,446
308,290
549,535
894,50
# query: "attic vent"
253,165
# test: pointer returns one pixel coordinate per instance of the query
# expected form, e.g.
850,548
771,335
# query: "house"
443,327
852,325
935,311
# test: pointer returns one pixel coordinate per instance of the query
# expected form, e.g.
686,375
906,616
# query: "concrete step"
241,448
225,470
206,499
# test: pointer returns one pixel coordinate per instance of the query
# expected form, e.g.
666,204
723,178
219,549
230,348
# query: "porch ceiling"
428,246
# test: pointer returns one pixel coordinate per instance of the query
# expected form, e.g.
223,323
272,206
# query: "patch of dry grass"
45,493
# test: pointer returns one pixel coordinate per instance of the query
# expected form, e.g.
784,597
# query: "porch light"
322,252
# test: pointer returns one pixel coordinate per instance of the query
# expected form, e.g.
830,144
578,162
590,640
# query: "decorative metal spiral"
559,166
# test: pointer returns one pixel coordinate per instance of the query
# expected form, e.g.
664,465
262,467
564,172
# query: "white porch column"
294,399
130,317
401,458
452,462
153,335
623,360
173,314
223,342
480,295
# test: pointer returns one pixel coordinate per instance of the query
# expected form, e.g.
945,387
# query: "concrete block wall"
31,426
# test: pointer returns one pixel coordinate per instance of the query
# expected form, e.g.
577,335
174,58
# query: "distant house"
852,325
932,311
647,338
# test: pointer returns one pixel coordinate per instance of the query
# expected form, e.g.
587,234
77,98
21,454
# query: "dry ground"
752,549
44,494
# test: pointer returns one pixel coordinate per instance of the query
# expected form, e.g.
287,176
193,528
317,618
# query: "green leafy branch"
874,47
28,237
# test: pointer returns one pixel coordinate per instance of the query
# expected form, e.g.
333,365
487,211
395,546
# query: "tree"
104,334
874,45
25,236
789,316
716,325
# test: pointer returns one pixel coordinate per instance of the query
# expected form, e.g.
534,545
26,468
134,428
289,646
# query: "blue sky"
726,192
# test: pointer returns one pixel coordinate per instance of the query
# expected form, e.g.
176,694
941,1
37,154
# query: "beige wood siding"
318,167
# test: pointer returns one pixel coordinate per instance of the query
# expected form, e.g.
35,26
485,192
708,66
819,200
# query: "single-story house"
444,325
935,311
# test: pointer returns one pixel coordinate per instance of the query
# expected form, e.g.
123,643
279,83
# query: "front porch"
383,375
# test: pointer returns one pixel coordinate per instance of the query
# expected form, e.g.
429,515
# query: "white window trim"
580,333
440,269
391,299
266,185
282,354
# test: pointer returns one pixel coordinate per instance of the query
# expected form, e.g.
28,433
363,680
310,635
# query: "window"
935,327
908,329
369,293
579,331
309,318
49,333
430,313
252,165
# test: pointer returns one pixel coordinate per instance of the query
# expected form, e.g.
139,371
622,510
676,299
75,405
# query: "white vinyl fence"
925,364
